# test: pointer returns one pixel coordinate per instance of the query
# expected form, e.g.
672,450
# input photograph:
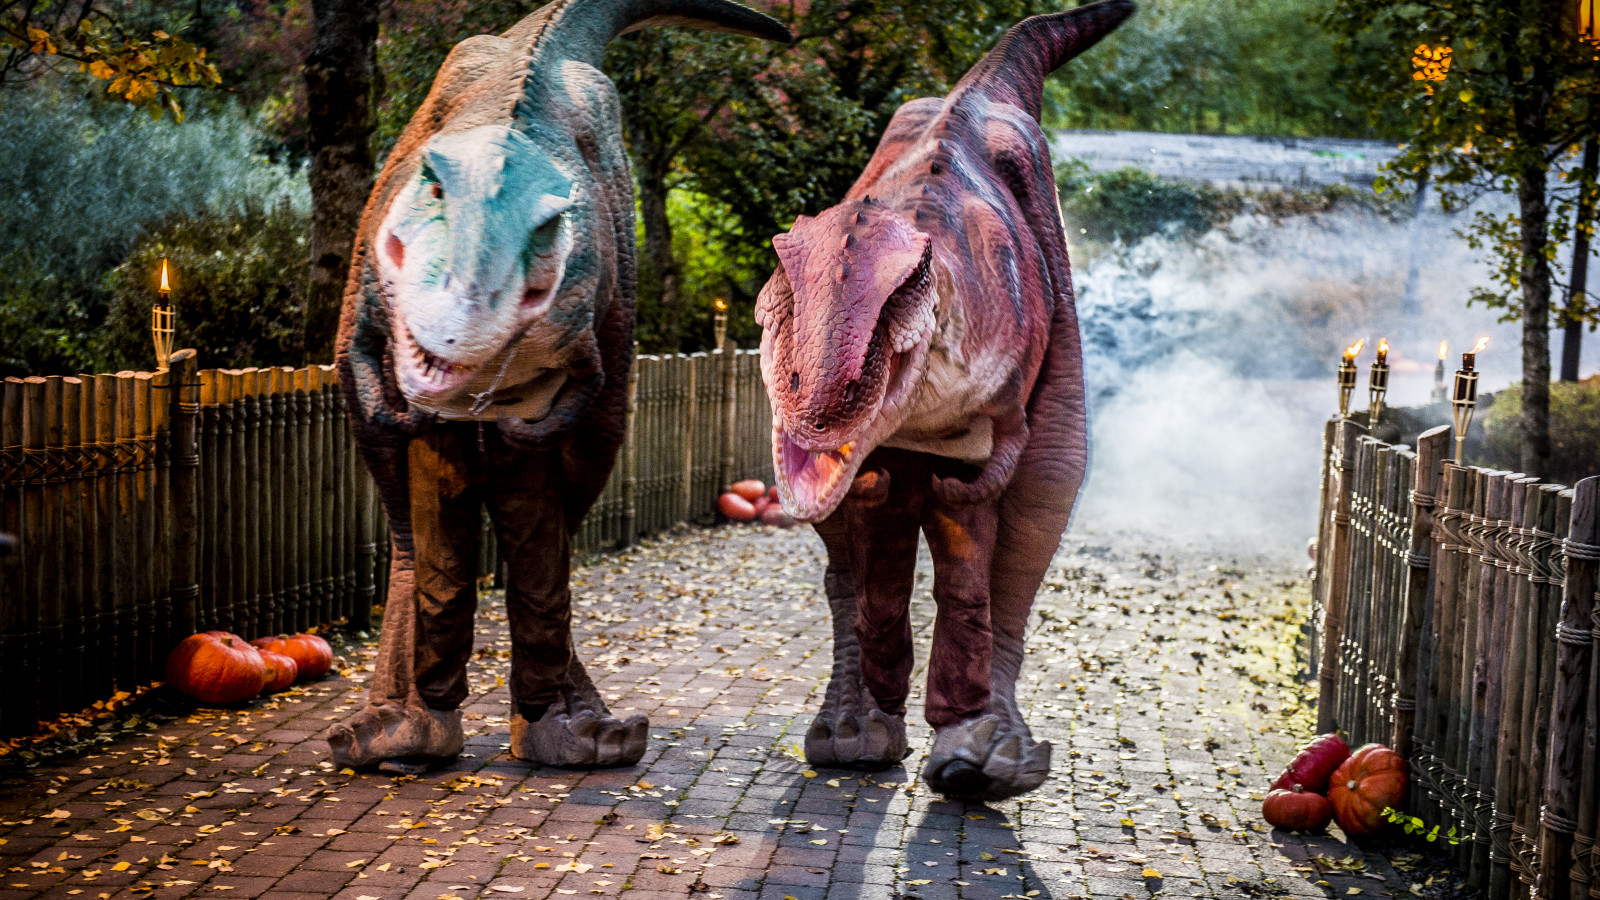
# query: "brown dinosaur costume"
920,349
484,348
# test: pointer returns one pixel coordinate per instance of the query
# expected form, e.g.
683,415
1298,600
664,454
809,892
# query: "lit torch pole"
161,330
1465,397
1377,384
1347,376
719,321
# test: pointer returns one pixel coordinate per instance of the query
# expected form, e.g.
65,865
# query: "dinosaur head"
473,257
846,322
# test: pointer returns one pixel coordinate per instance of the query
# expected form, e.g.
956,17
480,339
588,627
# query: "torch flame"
1354,350
1444,347
721,305
1383,346
165,288
1482,343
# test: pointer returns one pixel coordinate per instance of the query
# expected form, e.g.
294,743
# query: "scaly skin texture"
921,353
492,282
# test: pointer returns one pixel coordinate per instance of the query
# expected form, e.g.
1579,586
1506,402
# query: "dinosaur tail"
581,29
1014,71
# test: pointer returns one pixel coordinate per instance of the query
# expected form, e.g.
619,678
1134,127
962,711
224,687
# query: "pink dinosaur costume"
920,349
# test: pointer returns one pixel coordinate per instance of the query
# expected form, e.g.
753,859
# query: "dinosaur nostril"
794,382
819,426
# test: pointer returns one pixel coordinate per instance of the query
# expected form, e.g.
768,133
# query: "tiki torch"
1438,373
1347,376
1377,384
1465,398
719,321
161,330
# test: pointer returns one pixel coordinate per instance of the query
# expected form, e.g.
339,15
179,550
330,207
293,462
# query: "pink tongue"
809,474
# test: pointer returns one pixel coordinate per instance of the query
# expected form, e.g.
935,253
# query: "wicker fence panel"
151,505
1456,617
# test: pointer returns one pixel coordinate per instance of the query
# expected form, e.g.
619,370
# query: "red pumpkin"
1296,809
736,507
750,489
1314,764
774,515
216,667
1374,777
772,493
281,671
760,505
310,653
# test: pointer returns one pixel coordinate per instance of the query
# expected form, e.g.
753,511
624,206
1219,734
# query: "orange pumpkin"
281,671
1296,809
310,653
1374,777
216,667
1314,764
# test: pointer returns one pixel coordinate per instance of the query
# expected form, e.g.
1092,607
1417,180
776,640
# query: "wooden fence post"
1432,447
1338,588
691,406
730,413
630,458
185,390
1565,776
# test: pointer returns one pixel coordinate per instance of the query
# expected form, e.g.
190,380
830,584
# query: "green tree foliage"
238,287
1515,101
1225,66
83,178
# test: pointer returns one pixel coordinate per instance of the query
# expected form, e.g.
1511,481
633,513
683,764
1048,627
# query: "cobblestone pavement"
1165,681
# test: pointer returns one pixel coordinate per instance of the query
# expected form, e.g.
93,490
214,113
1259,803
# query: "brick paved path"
1165,683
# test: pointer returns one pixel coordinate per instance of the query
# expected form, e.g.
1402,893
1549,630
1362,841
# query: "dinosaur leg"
850,730
872,555
961,540
399,730
560,718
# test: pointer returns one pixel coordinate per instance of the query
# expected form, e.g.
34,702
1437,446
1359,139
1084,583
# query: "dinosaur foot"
578,732
984,759
580,740
856,736
397,738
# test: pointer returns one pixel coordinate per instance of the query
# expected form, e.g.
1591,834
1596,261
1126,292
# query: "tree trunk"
1531,196
658,246
340,73
1577,300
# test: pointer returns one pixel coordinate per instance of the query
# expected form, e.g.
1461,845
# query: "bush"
1574,430
1128,204
83,178
238,288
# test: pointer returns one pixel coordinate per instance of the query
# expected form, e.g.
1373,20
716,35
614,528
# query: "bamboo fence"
1456,621
150,505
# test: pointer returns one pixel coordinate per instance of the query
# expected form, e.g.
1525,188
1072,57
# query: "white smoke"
1210,363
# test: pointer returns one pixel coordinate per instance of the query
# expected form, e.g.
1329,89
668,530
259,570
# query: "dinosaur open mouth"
812,483
424,373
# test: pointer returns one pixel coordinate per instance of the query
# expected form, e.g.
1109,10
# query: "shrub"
1127,204
238,288
1574,430
83,178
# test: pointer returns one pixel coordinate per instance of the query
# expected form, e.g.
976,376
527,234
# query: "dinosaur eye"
438,192
850,392
794,382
